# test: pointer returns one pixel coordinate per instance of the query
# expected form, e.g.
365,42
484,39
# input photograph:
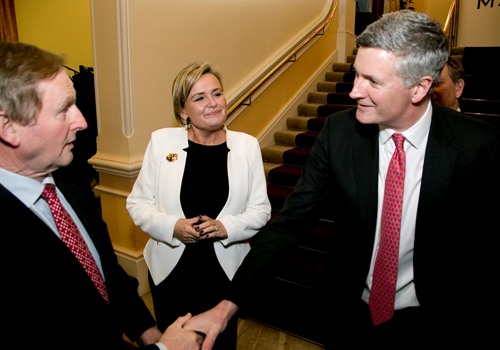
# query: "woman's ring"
216,228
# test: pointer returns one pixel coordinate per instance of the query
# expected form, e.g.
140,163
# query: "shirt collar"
416,134
26,189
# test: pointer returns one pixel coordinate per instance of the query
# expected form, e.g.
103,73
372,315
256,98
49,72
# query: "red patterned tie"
73,239
385,271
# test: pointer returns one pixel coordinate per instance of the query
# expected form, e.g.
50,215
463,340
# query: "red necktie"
73,239
385,271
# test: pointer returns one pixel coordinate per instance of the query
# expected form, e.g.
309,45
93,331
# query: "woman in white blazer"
200,195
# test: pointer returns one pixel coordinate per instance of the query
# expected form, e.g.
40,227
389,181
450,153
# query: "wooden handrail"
242,98
451,24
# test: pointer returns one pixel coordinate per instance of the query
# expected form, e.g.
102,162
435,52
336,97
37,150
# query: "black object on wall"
85,145
482,72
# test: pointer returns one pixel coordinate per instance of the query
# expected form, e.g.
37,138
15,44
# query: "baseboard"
133,263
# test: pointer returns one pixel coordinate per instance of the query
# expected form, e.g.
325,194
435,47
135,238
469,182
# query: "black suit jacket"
455,252
49,298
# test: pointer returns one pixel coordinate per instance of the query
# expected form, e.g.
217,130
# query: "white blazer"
154,203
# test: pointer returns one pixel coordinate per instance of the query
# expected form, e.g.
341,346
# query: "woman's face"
206,104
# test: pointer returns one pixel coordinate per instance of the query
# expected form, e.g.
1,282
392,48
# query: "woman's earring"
187,123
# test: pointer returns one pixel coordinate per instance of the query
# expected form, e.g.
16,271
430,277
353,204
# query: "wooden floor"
256,336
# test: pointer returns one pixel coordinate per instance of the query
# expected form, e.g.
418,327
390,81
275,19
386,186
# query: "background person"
449,89
53,300
447,250
201,194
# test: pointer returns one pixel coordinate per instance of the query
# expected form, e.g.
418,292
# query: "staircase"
481,95
293,302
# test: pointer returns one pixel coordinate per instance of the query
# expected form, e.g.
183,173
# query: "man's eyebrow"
66,102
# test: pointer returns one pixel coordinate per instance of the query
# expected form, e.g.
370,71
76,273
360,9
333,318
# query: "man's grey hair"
414,37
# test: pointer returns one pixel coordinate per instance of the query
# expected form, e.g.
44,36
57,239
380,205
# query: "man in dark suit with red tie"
50,300
443,295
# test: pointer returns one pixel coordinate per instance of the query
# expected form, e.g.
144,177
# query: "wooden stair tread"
327,109
340,98
339,76
286,137
308,109
342,67
322,110
318,97
334,86
274,153
299,122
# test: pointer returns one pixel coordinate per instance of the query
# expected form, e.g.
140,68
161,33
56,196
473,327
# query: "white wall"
140,45
479,26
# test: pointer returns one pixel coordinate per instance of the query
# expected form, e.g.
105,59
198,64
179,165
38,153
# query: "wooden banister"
451,24
244,98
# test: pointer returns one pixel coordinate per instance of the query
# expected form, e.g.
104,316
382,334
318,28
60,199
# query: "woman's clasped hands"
199,228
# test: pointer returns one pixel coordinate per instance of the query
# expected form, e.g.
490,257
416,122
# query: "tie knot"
49,191
399,139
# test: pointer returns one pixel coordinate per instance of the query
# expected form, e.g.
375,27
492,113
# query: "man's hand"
150,336
177,337
212,322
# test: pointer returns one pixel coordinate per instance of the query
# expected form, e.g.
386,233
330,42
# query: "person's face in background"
206,104
46,144
446,93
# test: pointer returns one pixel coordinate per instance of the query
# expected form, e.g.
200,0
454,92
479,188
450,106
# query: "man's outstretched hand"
178,337
212,322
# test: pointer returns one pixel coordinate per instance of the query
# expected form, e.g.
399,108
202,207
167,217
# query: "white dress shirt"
415,146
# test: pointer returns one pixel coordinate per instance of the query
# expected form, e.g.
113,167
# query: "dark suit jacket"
48,298
458,222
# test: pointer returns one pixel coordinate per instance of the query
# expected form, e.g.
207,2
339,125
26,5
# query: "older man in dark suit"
62,292
414,256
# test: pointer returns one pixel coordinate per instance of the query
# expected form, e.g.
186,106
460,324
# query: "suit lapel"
365,155
84,210
22,219
440,159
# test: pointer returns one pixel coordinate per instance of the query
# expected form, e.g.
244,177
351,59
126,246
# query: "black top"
205,186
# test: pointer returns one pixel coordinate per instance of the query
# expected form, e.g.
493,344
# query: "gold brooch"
172,157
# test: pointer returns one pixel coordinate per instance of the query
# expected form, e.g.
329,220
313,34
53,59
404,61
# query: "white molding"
111,191
125,69
104,164
96,70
